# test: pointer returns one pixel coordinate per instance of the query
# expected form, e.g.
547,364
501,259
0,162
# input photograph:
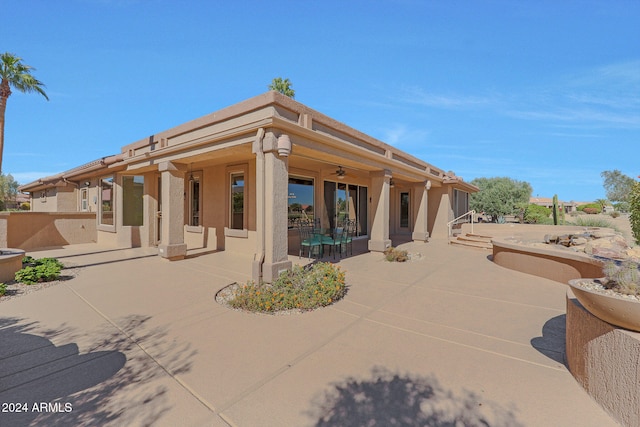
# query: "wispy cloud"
401,135
416,95
26,177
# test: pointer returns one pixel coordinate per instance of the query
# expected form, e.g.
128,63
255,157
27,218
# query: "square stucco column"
272,176
380,208
420,228
172,244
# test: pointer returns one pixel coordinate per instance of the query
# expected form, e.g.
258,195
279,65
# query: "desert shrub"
624,278
300,288
38,270
395,255
25,206
615,214
534,214
634,208
589,221
3,289
591,208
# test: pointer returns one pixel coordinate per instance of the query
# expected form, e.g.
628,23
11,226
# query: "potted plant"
614,298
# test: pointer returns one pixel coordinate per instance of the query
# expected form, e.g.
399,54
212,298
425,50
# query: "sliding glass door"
346,201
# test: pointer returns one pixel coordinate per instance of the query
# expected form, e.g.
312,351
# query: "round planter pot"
618,311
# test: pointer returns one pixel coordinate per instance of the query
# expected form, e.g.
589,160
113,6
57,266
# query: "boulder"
614,247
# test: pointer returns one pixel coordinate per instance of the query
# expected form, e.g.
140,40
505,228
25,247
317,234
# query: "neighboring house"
547,202
226,181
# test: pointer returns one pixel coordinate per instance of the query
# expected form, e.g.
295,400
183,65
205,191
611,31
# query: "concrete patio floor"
136,340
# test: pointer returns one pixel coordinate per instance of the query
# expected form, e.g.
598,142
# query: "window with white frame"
84,199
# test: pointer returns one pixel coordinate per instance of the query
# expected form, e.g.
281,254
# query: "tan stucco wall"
604,360
33,230
440,211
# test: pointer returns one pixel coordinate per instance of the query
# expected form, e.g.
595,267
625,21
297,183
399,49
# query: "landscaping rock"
614,247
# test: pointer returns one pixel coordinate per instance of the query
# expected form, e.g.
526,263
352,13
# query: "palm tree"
17,75
282,86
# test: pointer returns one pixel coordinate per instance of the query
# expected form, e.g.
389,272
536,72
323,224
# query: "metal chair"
349,233
308,239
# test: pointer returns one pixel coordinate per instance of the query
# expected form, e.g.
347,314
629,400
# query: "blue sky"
546,92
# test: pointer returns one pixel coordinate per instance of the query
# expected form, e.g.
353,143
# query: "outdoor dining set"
315,238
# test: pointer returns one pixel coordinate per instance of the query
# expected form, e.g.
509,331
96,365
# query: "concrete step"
473,241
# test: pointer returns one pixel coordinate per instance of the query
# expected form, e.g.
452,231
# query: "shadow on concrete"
111,382
131,258
552,343
391,399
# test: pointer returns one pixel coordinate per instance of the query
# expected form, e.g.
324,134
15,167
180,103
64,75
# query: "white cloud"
416,95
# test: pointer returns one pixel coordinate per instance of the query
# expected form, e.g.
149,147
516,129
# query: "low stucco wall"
34,230
553,264
604,360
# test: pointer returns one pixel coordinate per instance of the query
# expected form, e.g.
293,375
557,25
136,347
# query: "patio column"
380,210
420,229
272,185
172,245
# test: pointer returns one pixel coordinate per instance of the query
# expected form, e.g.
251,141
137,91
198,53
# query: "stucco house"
233,180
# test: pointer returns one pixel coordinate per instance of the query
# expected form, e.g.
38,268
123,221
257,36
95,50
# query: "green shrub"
534,214
25,206
615,214
595,208
395,255
3,289
634,208
38,270
301,288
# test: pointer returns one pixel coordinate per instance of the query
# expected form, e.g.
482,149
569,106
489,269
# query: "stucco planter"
616,309
10,262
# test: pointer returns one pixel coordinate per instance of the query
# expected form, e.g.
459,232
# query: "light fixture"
191,178
427,185
284,145
391,183
87,183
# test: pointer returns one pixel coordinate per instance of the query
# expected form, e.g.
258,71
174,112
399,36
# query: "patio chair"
308,239
347,236
335,241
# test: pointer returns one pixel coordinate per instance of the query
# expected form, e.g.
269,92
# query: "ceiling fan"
340,172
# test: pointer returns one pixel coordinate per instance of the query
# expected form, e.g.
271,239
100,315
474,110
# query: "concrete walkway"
135,340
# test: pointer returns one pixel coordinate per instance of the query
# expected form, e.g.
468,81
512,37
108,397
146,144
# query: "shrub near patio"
298,289
38,270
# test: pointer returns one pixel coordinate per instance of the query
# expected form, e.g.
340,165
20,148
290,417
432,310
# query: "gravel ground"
17,290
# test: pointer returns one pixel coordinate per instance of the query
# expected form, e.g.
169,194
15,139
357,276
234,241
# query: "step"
471,243
474,238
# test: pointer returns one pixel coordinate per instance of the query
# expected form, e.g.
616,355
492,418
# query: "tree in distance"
499,196
282,86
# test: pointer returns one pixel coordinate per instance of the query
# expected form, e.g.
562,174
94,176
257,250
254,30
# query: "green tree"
282,86
499,196
17,75
8,190
617,185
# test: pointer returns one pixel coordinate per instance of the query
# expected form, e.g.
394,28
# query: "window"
300,199
460,203
404,210
132,200
346,201
106,200
237,201
84,199
194,200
